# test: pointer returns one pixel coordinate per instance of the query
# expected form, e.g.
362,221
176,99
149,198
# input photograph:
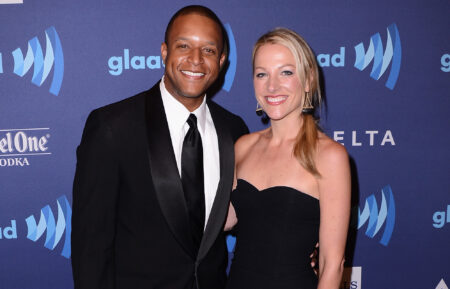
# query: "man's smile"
193,74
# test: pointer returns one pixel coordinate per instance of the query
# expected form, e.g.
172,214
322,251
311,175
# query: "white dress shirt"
177,115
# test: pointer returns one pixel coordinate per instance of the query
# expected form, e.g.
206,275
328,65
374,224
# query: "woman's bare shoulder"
330,152
246,142
334,166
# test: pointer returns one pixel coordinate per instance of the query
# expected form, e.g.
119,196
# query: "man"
139,219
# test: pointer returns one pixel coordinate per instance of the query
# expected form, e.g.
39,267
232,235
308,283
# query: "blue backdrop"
385,67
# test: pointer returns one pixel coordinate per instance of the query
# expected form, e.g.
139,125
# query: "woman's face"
277,84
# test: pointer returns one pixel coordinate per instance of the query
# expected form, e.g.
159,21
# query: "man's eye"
209,50
182,46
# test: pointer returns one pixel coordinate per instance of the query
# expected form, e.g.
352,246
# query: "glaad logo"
381,61
376,218
117,64
441,285
445,62
42,65
55,230
16,145
9,232
439,218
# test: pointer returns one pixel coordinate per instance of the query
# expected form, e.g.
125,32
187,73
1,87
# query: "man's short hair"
202,11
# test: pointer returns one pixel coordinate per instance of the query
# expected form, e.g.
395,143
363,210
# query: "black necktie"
192,179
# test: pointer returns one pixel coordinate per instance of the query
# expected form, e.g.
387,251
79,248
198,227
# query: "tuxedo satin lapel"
220,206
164,171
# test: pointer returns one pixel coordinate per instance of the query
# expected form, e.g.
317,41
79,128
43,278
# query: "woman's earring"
259,110
308,108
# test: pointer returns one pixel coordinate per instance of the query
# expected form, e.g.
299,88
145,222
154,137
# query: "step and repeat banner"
386,76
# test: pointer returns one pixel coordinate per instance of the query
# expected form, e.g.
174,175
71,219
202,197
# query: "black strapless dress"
277,230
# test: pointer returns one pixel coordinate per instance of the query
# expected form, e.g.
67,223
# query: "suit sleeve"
239,128
95,192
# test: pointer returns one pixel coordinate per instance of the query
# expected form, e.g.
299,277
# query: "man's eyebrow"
181,38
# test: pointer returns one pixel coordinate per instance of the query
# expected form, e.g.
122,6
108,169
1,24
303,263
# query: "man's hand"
315,259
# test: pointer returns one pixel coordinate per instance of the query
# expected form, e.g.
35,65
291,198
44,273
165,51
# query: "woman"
289,179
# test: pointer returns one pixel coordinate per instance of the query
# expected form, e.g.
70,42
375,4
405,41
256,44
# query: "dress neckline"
274,187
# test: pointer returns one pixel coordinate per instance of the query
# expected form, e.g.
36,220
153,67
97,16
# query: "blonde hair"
308,73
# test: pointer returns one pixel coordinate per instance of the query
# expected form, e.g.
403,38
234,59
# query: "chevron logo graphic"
392,54
231,242
232,58
377,218
442,285
55,229
42,65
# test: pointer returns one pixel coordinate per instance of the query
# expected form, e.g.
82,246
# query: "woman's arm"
334,197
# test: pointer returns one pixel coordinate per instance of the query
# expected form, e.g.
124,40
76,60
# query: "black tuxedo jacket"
130,222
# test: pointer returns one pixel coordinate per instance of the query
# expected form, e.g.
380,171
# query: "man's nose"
196,56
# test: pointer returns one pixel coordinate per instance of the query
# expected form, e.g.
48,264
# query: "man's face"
193,57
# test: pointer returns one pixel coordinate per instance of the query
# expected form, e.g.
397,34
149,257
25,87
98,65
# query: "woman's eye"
260,75
287,72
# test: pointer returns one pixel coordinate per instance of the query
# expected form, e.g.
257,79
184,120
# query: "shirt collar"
177,114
